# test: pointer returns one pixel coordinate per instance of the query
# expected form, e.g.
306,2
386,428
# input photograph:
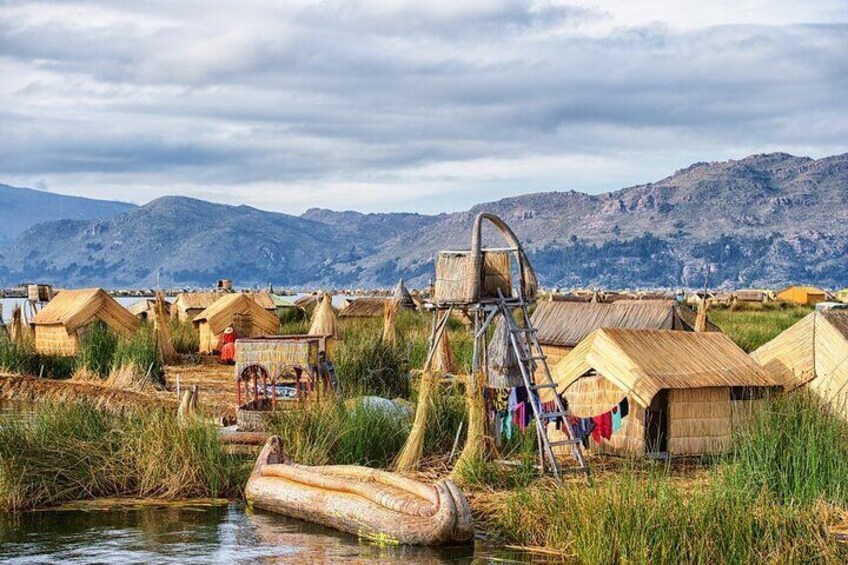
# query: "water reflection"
195,534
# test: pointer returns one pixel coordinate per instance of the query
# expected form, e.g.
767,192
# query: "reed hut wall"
54,339
700,421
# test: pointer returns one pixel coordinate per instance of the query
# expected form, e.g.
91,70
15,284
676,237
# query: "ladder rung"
553,415
564,442
534,358
543,385
525,330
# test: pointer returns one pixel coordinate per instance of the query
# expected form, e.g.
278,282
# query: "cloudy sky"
409,105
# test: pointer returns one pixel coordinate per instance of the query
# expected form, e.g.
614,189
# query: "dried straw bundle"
444,361
478,443
19,331
163,331
324,321
390,314
410,456
503,368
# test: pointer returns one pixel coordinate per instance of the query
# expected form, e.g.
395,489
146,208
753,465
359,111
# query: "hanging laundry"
587,426
499,398
616,418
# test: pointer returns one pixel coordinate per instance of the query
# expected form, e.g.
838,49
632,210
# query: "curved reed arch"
526,274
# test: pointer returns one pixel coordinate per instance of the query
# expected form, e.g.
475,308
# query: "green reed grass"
751,327
341,432
73,451
97,349
23,359
142,353
184,336
796,448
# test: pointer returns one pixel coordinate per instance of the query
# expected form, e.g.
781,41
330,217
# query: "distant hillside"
763,220
23,208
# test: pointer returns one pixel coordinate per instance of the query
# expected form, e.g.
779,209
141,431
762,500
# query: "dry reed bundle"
163,331
324,321
19,331
410,455
390,314
187,411
127,377
34,389
4,332
444,361
503,367
479,444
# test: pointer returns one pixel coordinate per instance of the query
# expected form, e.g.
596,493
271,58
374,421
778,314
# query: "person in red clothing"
227,347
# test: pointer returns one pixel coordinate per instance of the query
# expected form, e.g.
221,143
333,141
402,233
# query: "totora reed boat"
358,500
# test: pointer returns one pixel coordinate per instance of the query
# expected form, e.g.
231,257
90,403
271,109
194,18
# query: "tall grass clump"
632,519
73,451
141,352
341,433
750,328
185,338
367,366
97,348
21,358
795,447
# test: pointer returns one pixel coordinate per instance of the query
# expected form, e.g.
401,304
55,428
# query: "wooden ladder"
529,353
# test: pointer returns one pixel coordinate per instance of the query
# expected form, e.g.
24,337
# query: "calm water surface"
201,534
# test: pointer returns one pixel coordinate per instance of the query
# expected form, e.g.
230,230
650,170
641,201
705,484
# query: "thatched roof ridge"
566,324
365,308
220,314
196,300
643,362
402,295
75,309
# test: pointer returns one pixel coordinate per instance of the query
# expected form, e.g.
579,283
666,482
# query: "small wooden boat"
358,500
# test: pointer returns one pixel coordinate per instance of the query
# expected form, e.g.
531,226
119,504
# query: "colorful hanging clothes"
616,418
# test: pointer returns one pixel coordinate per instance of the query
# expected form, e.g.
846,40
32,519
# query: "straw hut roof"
306,302
402,295
324,319
220,314
264,299
75,309
813,351
196,300
566,324
148,305
644,362
365,308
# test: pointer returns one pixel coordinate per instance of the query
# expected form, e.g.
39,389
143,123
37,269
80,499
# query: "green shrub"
142,353
97,349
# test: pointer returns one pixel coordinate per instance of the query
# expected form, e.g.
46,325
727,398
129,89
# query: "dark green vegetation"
74,451
752,326
101,351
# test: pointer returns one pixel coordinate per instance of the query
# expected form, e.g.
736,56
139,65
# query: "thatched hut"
59,325
561,325
238,310
686,391
307,303
187,305
752,295
804,295
402,295
373,307
813,353
146,309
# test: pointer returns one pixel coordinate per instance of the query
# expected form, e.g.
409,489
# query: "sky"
430,106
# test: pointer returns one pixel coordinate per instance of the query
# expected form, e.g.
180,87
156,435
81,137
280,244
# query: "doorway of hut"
656,426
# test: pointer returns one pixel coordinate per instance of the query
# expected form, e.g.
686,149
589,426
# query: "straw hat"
229,330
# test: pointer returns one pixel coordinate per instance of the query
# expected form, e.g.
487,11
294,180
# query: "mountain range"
765,220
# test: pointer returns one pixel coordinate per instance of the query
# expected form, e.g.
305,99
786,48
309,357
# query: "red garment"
606,425
228,352
596,431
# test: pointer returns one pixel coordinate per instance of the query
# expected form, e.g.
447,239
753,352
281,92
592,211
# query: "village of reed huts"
59,325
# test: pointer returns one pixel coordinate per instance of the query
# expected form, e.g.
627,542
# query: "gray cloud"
378,106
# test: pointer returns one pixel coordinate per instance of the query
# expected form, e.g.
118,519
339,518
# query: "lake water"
203,534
